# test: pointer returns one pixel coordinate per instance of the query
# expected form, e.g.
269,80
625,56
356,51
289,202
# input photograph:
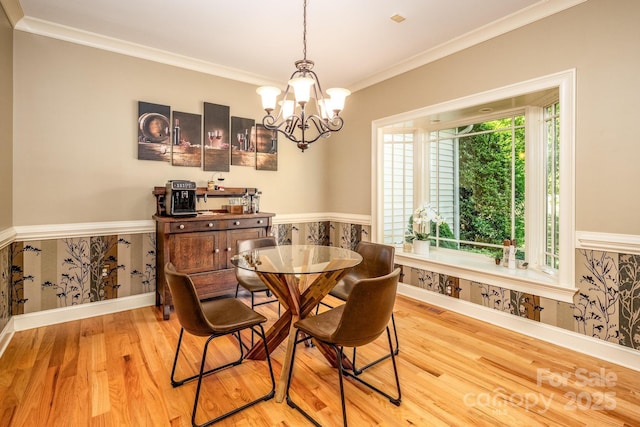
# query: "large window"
495,167
476,182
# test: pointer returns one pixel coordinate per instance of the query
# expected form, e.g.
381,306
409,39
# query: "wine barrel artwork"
154,132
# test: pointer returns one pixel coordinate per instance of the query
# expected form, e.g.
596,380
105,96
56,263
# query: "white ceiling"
354,43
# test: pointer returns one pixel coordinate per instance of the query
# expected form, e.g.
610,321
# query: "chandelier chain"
304,30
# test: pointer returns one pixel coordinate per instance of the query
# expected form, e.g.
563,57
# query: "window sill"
484,270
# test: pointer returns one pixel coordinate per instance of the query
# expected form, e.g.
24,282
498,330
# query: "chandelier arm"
333,125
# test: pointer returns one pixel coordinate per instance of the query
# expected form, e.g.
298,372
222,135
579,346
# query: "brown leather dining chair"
250,280
377,260
360,321
213,319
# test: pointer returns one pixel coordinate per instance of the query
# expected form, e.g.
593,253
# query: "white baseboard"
6,335
38,319
604,350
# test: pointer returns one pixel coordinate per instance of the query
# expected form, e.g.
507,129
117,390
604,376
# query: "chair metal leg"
200,376
395,400
290,401
358,371
253,304
339,354
178,383
341,374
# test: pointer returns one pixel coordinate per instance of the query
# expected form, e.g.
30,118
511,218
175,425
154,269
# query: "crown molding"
511,22
538,11
98,41
13,10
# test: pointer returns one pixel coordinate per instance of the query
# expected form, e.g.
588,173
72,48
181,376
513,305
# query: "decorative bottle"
505,252
256,202
176,132
512,255
246,202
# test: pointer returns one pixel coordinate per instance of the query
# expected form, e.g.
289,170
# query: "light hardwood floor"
114,370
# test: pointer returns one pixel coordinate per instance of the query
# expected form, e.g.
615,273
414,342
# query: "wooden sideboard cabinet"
202,247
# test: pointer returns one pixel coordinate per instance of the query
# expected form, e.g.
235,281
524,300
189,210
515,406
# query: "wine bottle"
176,133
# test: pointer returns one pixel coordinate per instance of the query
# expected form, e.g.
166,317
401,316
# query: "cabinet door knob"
260,221
236,222
228,249
210,224
216,250
181,226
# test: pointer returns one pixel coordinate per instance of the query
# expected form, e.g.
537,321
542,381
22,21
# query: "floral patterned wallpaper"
5,301
607,305
50,274
40,275
325,233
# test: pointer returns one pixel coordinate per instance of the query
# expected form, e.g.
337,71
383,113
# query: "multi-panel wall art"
221,141
216,137
243,149
154,132
186,147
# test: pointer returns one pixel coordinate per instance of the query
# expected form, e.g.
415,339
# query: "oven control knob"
181,226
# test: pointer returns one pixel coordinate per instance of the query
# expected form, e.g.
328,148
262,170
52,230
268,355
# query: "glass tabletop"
296,259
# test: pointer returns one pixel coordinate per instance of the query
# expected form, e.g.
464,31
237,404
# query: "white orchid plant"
420,222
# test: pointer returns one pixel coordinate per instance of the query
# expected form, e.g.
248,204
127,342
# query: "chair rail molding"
608,242
58,231
322,216
621,243
7,236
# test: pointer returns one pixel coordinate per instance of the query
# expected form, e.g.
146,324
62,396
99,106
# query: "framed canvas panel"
266,148
154,132
216,144
186,137
243,149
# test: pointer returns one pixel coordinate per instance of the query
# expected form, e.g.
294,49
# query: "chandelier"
304,114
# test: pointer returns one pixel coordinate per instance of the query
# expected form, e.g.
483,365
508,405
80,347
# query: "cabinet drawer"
251,222
190,226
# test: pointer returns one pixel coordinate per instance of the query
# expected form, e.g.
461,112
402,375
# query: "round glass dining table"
300,276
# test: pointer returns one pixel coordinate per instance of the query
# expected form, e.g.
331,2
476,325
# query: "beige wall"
6,120
75,136
75,110
599,38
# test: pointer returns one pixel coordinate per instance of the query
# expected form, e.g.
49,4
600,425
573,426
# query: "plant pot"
421,247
